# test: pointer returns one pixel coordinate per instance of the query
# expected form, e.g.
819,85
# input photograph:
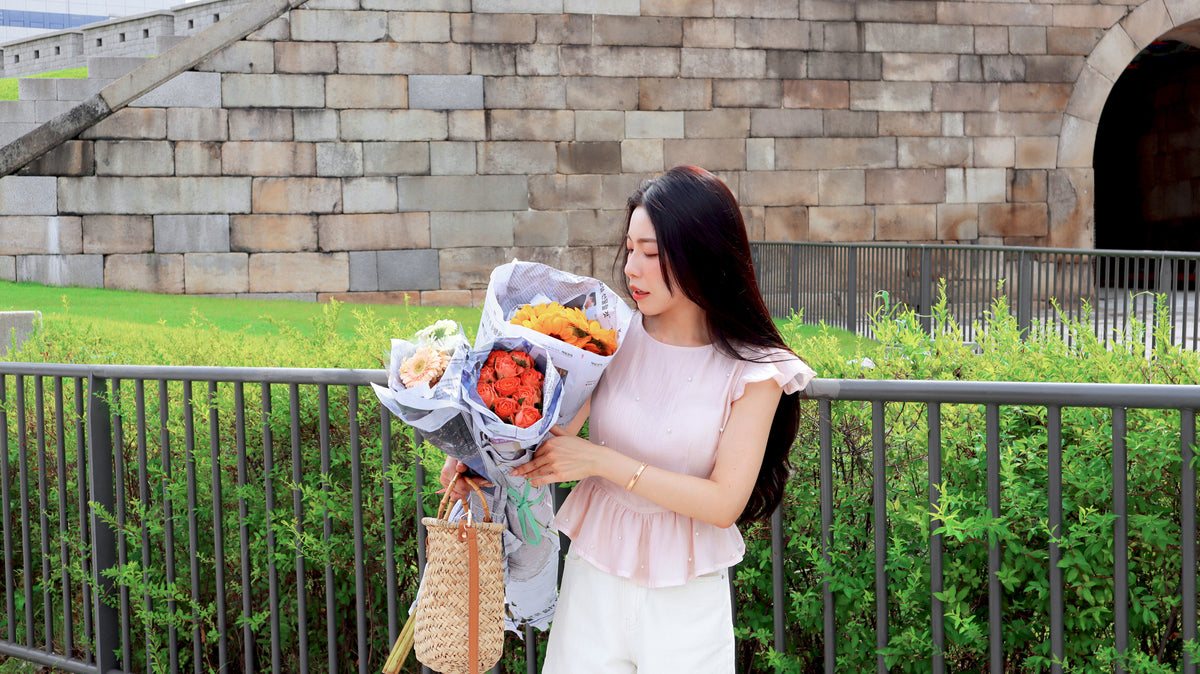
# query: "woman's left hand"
561,458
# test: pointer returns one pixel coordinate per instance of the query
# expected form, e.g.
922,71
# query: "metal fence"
840,284
250,520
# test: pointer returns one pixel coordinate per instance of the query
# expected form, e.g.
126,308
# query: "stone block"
779,34
673,94
537,60
841,223
749,93
647,124
993,152
709,33
497,60
603,93
835,153
397,158
1072,41
366,91
197,124
36,89
189,89
364,272
268,158
985,185
891,96
844,66
849,123
32,235
299,272
81,89
540,228
525,92
933,152
134,158
996,14
1003,68
297,195
306,57
599,125
589,157
603,7
8,268
785,123
261,124
841,187
909,124
1072,208
71,158
131,123
463,193
719,123
595,228
642,155
966,96
991,40
785,223
516,157
532,124
107,234
564,29
920,67
838,36
816,94
16,326
909,222
411,58
952,124
1012,124
779,188
1040,152
272,233
85,271
564,193
905,186
677,8
1088,96
1027,186
648,31
767,9
1077,142
722,63
1035,97
418,5
314,126
615,191
338,26
419,26
197,158
456,230
394,125
28,195
918,38
273,91
1013,220
528,6
1088,16
407,269
451,158
493,28
241,57
191,233
276,30
375,231
339,159
603,61
1052,68
445,92
149,273
1027,39
957,222
216,273
715,154
369,195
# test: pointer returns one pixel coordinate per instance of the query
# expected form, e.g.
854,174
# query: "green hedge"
903,351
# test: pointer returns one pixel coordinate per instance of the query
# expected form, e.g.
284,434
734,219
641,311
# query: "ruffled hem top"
666,405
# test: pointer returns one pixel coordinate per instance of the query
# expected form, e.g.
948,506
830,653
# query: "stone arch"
1149,21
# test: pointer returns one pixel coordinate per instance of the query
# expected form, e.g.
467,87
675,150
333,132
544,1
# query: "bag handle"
442,509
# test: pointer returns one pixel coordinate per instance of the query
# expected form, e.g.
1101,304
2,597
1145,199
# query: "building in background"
23,18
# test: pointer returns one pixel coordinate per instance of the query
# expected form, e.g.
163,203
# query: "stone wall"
390,149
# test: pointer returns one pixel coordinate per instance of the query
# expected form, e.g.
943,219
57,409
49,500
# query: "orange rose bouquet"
512,388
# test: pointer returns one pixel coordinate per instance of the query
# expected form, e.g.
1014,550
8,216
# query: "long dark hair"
703,249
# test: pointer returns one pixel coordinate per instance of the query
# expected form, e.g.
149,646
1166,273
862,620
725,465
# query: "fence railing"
249,520
839,284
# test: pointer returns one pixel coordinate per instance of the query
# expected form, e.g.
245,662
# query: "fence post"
851,289
926,290
104,538
793,279
1024,293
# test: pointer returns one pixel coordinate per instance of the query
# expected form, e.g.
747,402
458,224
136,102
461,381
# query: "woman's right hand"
451,467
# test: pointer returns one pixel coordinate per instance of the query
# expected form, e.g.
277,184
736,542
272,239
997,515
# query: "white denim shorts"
608,624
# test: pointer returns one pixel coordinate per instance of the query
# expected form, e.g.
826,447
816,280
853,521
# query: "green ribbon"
525,515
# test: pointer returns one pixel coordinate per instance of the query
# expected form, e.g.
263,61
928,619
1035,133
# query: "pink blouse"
665,405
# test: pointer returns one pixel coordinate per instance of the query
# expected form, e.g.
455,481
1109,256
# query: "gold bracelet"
633,480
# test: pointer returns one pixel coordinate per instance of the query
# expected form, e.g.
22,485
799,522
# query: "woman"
690,428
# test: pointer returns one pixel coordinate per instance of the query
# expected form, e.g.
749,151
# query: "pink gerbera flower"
425,366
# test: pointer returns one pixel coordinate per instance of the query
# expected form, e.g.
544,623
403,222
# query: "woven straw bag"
459,627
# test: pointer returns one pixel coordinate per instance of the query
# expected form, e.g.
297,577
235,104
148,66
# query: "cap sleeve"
788,371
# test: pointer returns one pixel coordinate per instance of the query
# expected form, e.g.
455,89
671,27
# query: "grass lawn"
146,328
8,85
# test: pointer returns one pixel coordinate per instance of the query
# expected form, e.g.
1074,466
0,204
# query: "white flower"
444,335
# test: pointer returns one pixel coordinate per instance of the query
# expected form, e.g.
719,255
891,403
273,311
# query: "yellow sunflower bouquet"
569,325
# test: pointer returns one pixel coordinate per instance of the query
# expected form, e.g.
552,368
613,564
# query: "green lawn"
8,85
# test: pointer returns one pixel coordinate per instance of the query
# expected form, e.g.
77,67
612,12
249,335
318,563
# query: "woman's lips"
638,295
